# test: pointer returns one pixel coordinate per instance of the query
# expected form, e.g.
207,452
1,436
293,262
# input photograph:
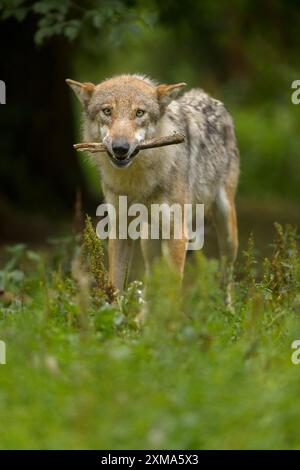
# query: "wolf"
125,110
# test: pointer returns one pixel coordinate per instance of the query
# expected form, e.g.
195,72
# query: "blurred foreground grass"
82,373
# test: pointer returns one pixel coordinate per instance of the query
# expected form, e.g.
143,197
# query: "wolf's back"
210,140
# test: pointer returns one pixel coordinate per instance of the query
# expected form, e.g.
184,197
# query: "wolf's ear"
83,91
167,93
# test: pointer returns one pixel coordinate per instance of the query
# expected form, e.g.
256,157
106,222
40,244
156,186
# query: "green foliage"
268,138
192,376
17,9
94,254
70,19
94,251
281,271
250,265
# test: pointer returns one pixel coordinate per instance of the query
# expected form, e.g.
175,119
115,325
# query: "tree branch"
94,147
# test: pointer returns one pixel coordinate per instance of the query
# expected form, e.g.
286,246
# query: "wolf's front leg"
175,250
119,258
151,250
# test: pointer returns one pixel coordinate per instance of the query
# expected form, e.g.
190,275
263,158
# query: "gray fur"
210,148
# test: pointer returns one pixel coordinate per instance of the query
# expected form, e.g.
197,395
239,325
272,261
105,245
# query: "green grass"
82,373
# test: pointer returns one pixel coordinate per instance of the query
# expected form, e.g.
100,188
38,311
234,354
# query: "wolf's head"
123,111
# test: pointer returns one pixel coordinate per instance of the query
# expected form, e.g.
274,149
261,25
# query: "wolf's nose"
120,148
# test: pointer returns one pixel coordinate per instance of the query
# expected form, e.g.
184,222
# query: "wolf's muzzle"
120,148
121,152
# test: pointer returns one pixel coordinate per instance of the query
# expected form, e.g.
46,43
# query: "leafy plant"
94,255
69,18
189,376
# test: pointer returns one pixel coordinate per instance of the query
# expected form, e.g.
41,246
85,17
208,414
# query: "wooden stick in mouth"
147,144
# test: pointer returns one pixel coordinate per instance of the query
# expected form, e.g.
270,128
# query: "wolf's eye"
139,113
106,111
